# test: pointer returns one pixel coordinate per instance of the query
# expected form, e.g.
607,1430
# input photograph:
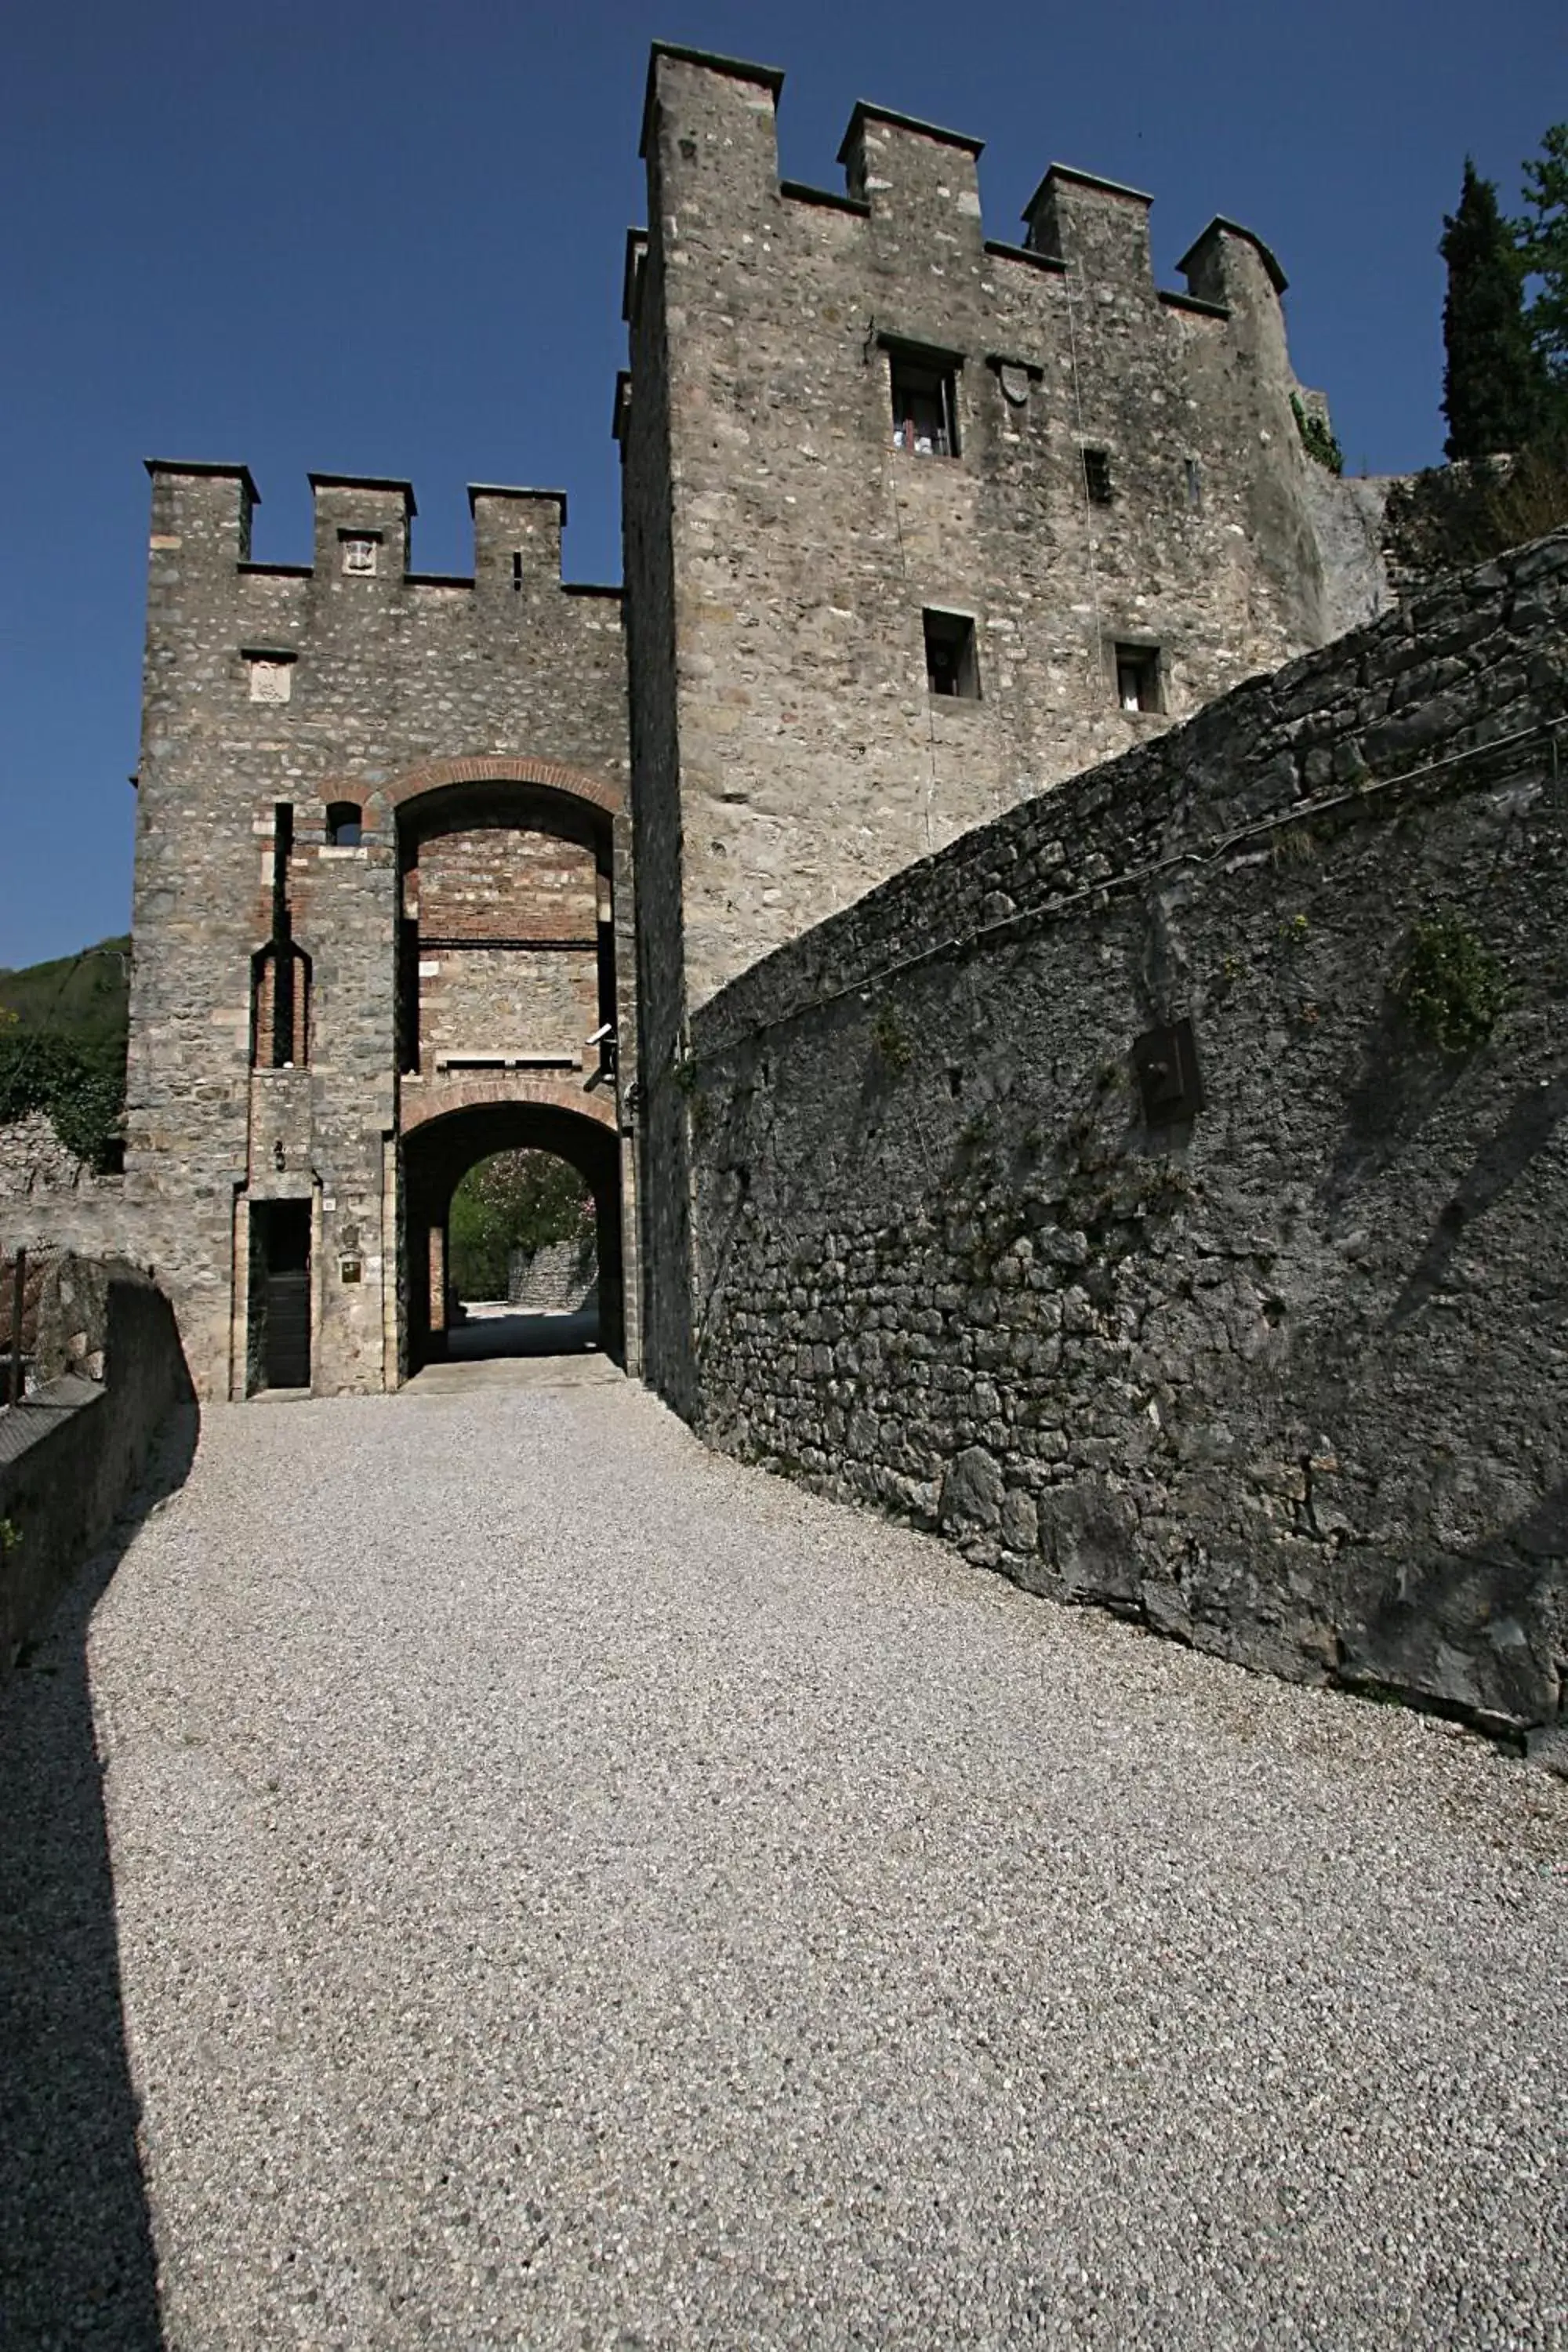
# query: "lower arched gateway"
439,1152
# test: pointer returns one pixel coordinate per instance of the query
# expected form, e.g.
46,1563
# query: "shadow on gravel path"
77,2265
486,1337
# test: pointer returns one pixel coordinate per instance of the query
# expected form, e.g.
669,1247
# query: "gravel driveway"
573,1891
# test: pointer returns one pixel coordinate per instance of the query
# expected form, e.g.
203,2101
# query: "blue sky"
385,236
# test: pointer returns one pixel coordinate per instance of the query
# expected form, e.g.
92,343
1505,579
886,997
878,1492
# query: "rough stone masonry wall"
561,1278
72,1455
646,525
50,1199
1287,1381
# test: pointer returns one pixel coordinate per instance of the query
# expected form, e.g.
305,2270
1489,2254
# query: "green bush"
81,1086
889,1036
1451,986
515,1200
1317,437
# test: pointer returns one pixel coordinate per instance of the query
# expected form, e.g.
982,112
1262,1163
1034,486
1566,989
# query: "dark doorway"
280,1294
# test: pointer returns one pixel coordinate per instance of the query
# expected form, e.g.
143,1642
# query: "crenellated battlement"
709,120
1094,225
988,512
362,533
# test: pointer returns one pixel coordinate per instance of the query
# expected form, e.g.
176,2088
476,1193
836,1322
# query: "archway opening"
496,1171
505,934
522,1259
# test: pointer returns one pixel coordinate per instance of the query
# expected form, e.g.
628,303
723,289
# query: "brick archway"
427,1099
382,801
466,1122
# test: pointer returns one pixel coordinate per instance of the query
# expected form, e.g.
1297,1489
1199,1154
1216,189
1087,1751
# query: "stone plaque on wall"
270,680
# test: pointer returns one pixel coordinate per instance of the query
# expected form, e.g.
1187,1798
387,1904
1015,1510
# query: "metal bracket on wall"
1166,1061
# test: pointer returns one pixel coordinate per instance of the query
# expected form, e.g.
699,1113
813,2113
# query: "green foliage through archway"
513,1201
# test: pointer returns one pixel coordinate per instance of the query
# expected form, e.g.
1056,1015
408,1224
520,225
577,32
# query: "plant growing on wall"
81,1086
1451,986
1316,436
888,1038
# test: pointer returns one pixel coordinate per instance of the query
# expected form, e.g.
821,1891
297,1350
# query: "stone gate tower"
917,524
382,918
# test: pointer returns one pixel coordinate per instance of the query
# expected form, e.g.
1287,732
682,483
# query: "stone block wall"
1276,1368
49,1198
71,1456
562,1278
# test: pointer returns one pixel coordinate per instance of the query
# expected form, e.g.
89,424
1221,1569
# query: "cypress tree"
1492,377
1542,238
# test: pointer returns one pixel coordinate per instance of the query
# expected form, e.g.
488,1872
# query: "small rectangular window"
1138,677
953,668
517,571
1096,476
925,406
1194,482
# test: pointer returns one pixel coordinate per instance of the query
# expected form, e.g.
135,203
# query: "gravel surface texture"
572,1890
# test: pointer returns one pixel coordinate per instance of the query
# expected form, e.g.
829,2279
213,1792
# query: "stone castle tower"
915,524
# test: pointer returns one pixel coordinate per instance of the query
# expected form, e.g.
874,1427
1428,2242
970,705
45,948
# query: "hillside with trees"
62,1046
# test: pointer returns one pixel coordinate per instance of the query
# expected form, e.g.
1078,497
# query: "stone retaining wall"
51,1200
562,1278
1282,1376
73,1451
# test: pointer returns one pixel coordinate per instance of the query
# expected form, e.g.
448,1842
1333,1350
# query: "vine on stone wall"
1316,436
890,1038
1452,987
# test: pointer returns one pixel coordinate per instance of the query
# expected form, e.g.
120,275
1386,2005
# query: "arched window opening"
345,824
279,1007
